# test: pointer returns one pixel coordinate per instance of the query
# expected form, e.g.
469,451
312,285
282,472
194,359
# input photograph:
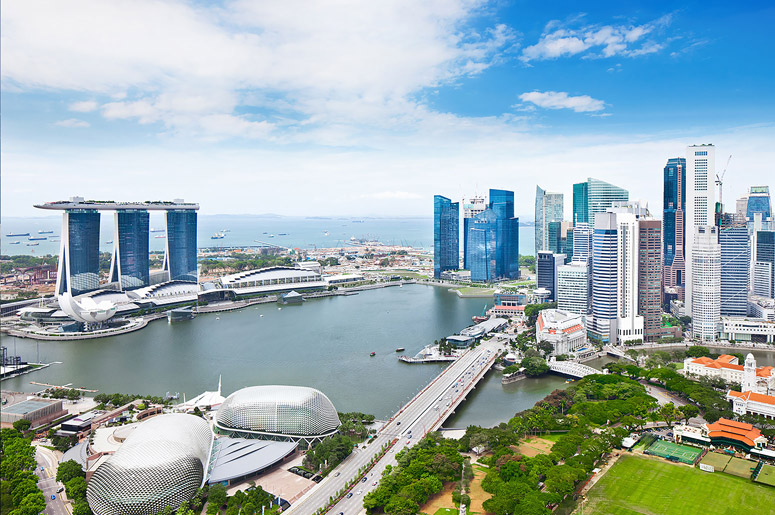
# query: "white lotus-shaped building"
86,309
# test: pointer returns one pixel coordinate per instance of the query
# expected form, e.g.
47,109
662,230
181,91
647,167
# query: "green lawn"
641,485
767,475
446,511
552,437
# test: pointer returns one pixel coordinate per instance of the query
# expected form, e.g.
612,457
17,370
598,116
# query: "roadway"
423,414
46,472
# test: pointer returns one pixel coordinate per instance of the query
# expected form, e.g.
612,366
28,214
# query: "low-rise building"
483,328
508,311
272,280
761,307
37,411
722,433
566,331
726,367
338,280
747,329
456,275
752,403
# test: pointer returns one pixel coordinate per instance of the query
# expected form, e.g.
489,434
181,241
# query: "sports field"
667,449
642,485
739,467
766,475
716,460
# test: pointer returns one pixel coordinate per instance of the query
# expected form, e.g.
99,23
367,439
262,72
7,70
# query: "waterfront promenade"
421,415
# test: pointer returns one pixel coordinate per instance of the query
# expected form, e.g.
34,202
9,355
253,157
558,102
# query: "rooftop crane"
720,181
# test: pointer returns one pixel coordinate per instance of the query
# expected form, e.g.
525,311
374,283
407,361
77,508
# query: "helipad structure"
285,413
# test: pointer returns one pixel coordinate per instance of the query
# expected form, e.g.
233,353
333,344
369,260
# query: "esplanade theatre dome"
277,413
161,463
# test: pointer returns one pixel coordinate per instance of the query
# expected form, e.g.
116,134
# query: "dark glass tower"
580,203
79,267
735,267
765,255
492,240
130,249
674,202
446,235
180,259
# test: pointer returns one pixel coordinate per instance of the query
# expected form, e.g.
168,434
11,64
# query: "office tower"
706,283
79,252
700,204
741,208
627,217
546,272
492,240
764,278
650,277
473,207
446,232
582,242
674,209
604,279
129,264
735,266
594,196
180,255
548,209
560,239
759,203
573,288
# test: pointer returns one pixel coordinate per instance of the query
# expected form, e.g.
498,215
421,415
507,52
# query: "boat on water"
400,349
372,354
39,238
17,234
15,243
108,242
157,230
33,244
271,235
326,233
218,236
160,236
45,232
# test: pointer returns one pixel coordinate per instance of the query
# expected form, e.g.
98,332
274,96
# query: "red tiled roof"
764,371
725,428
510,308
753,396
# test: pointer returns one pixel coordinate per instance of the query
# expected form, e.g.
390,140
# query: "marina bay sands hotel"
78,271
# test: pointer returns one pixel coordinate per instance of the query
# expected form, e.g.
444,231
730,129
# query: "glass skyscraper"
759,202
765,258
446,235
130,249
492,240
674,204
560,239
548,209
79,272
593,197
735,266
180,259
604,281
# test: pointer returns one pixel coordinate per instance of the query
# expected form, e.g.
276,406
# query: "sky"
346,107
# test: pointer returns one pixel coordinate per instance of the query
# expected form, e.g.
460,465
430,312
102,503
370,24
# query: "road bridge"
617,352
426,412
572,369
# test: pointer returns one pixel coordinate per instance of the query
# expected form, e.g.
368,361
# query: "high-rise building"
573,288
674,209
475,205
604,280
547,265
560,236
706,283
180,256
492,240
627,215
741,208
700,203
759,203
129,265
595,196
79,252
446,235
582,242
764,279
735,265
650,277
548,209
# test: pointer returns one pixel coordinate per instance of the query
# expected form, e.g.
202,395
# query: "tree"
82,508
68,470
545,347
697,351
22,425
669,413
217,495
688,411
76,488
535,366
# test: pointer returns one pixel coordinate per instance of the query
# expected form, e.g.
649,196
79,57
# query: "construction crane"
720,182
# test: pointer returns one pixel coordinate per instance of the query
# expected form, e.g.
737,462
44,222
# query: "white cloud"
608,40
85,106
73,123
561,100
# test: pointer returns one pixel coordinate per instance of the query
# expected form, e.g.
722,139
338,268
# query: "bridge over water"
572,369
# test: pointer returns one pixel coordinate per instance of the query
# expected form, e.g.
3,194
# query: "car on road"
398,423
42,469
359,492
349,495
52,497
374,483
363,480
61,489
337,474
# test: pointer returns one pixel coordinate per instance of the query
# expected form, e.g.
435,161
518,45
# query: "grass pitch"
667,449
716,460
636,485
766,475
740,468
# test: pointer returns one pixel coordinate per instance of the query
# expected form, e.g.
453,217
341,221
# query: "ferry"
15,243
157,230
17,234
372,354
282,234
400,349
33,244
108,242
160,236
325,233
218,236
271,235
41,238
45,232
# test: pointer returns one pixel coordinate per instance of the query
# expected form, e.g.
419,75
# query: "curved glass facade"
492,240
181,245
162,463
83,239
446,235
132,236
283,412
674,204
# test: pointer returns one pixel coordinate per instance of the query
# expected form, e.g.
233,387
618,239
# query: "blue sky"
363,108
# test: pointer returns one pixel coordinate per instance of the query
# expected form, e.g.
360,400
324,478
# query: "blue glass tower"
759,203
765,254
180,259
492,240
129,266
446,235
674,204
580,203
735,266
604,279
79,264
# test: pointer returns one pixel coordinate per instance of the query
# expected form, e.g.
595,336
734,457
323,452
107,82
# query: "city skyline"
517,91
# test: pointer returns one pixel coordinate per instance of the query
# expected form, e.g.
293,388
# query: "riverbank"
715,345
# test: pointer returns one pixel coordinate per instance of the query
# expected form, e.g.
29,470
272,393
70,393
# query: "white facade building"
748,376
745,329
564,330
751,403
700,203
706,283
582,242
573,288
